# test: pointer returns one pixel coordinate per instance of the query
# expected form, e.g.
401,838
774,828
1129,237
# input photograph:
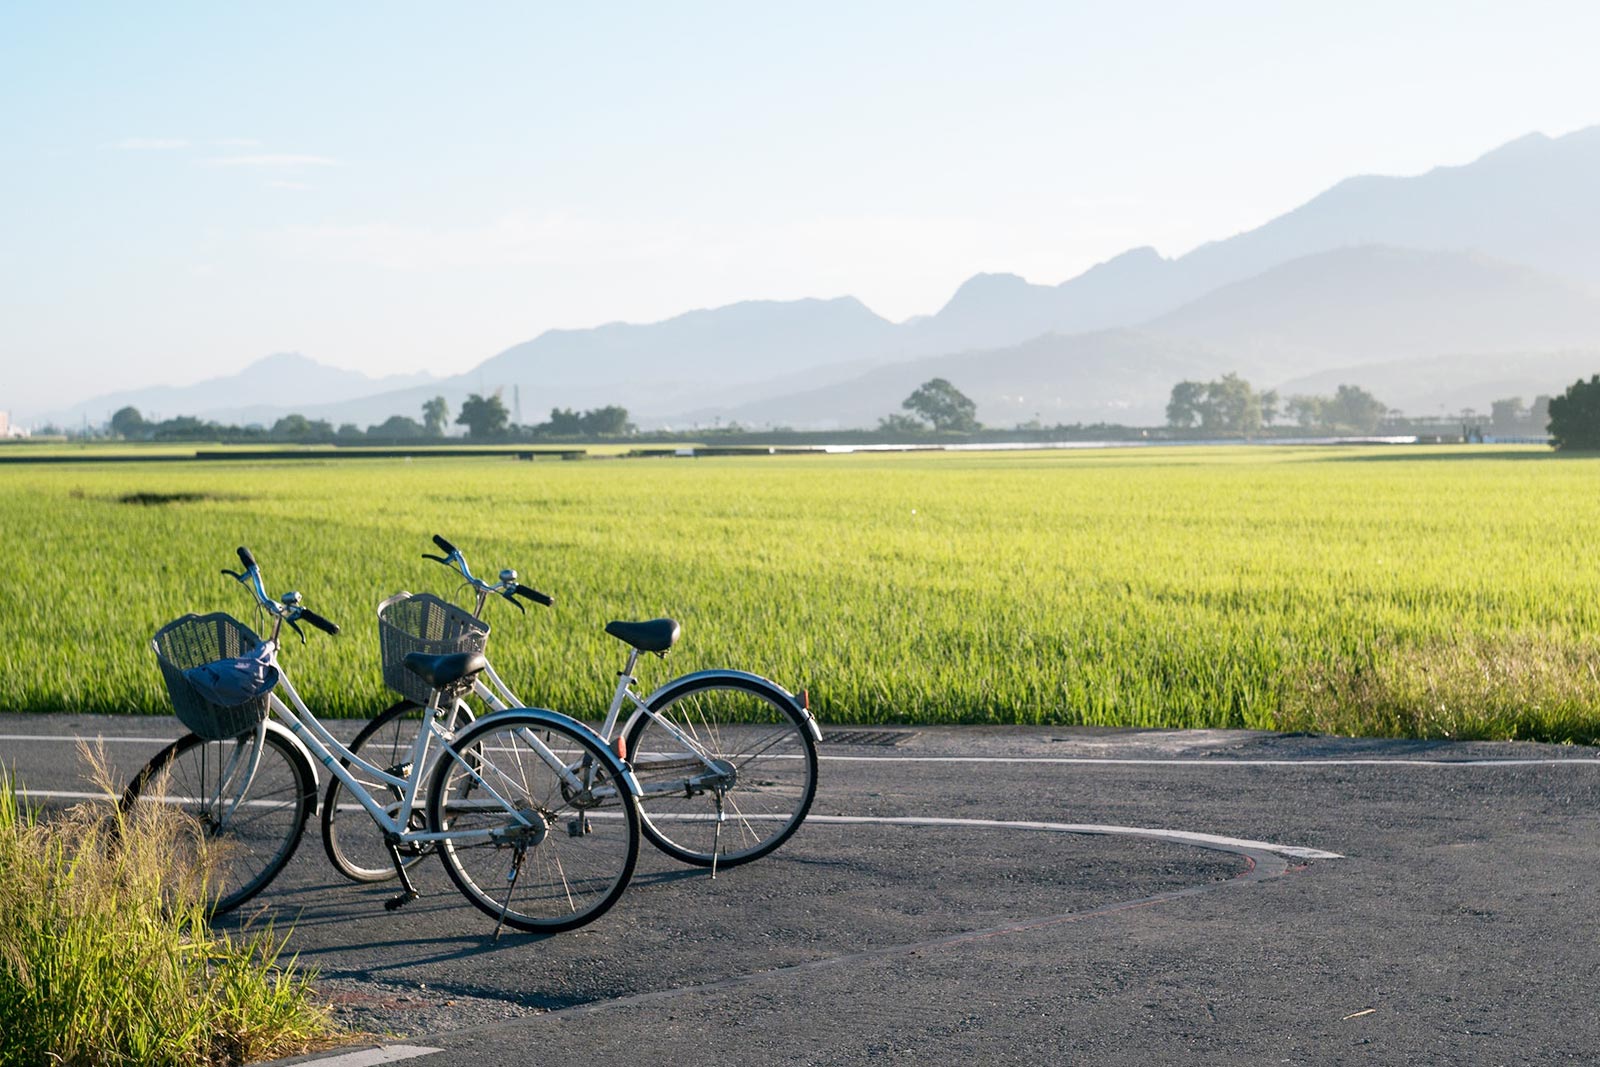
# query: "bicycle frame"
322,746
499,697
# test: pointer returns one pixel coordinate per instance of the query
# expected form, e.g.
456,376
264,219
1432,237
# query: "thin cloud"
296,186
236,142
273,160
150,144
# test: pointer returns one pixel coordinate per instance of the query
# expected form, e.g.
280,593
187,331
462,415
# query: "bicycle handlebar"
507,587
534,595
327,627
288,609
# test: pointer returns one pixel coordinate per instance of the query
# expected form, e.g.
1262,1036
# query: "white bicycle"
725,761
533,815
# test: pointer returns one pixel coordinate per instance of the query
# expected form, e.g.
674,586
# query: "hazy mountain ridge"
1377,302
1346,312
1494,255
269,387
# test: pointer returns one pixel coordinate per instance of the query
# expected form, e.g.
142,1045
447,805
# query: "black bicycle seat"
656,635
441,672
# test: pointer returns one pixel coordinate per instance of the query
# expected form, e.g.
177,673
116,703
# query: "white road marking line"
382,1054
1188,836
1220,761
75,738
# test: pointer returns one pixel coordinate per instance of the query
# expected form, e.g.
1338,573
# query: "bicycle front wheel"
250,825
742,783
543,835
354,842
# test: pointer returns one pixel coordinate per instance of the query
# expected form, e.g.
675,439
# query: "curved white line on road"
1186,836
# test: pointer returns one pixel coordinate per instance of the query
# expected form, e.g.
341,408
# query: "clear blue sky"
186,187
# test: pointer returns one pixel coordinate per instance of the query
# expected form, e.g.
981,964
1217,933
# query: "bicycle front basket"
197,641
423,623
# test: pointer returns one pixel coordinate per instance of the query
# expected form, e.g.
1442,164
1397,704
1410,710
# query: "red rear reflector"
805,699
621,745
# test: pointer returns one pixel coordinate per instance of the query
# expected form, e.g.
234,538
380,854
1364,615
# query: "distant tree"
1269,407
564,422
184,428
128,423
399,428
609,421
1183,409
298,428
1230,405
435,412
348,432
898,423
1226,405
1575,417
1507,415
1305,410
942,404
1539,413
484,417
1353,408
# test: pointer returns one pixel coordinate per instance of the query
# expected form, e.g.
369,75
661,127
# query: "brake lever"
295,626
511,597
235,575
436,559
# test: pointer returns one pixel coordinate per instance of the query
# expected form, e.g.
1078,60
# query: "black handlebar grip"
442,543
534,595
319,622
246,558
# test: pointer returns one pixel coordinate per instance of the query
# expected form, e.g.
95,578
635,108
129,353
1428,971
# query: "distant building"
8,430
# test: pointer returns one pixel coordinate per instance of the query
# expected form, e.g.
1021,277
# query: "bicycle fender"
618,769
741,678
305,753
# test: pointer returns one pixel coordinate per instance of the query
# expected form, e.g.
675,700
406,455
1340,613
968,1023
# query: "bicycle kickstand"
408,891
516,872
716,836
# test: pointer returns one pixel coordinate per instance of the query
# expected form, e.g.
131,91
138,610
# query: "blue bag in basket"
228,683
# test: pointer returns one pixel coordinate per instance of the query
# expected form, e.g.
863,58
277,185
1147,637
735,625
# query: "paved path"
945,905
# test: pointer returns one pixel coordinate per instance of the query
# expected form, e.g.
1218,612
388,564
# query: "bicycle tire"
261,840
577,856
352,840
733,716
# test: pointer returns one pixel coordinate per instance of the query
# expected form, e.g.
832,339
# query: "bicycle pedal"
578,827
396,903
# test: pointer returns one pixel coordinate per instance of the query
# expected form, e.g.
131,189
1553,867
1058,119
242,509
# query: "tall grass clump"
106,956
1517,687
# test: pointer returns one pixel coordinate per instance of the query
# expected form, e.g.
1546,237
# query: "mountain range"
1453,288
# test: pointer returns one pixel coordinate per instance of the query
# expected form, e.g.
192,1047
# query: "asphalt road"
1459,926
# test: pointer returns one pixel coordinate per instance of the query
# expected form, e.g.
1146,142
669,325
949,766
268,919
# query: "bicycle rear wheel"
534,850
249,835
763,748
353,841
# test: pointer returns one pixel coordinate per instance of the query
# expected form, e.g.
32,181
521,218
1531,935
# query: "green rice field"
1430,592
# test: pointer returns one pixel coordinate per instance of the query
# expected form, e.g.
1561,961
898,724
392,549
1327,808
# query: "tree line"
485,419
1230,405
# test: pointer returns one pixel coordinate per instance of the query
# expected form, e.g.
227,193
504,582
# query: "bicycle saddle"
441,672
657,635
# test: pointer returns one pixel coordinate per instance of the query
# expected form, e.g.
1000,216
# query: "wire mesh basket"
422,622
194,641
